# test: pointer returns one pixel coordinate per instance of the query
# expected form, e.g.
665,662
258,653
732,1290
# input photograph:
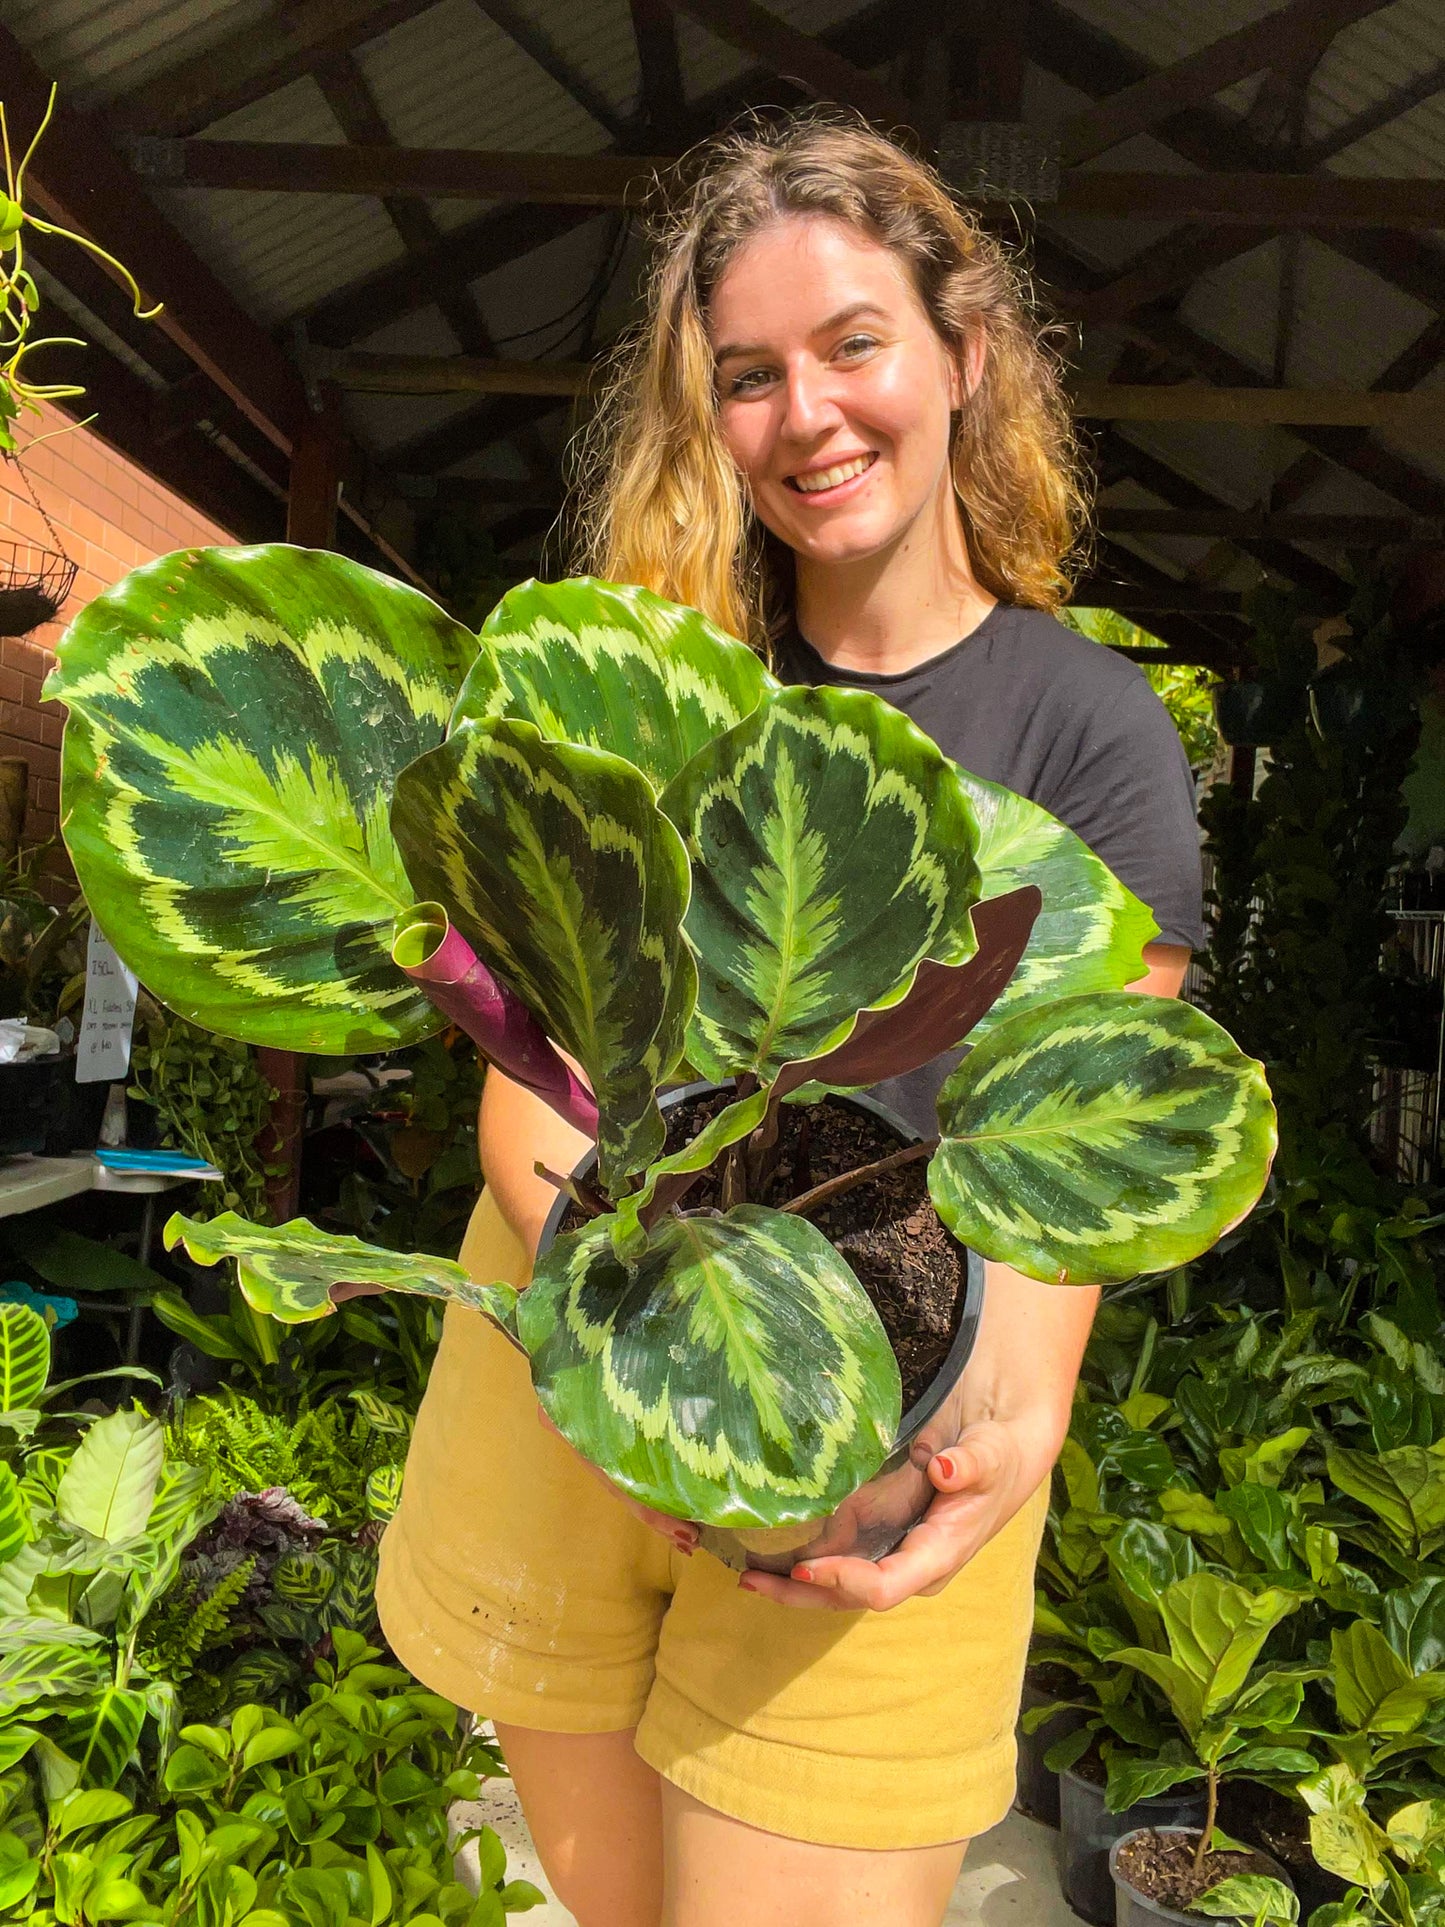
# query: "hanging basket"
34,583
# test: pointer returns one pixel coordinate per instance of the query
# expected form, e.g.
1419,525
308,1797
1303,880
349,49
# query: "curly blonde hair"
662,502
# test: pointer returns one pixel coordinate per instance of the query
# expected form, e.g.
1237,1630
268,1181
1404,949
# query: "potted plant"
1155,1867
42,981
317,813
1258,710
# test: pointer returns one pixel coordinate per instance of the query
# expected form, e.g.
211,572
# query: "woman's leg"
721,1871
595,1814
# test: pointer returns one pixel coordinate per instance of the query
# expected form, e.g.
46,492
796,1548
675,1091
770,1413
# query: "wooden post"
316,458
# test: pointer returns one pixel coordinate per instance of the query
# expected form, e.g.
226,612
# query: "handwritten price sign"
103,1050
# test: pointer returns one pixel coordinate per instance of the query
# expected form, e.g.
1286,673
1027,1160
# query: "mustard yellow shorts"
514,1584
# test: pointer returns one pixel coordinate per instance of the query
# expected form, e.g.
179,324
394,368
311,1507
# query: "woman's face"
834,390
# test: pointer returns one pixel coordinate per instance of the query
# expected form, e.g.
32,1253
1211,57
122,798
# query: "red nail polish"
946,1465
745,1586
805,1573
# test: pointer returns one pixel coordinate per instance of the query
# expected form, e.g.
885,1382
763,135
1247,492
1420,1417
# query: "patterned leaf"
24,1357
737,1374
289,1269
1091,931
109,1486
557,866
383,1491
102,1736
237,720
305,1578
49,1671
1092,1139
14,1515
832,849
614,667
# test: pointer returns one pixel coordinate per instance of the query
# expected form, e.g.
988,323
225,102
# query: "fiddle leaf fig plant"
311,810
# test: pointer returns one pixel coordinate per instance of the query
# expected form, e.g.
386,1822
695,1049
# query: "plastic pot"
1348,706
1090,1831
1254,715
1037,1792
1133,1909
873,1520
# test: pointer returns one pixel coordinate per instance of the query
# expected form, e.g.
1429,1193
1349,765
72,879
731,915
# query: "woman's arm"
516,1130
1018,1392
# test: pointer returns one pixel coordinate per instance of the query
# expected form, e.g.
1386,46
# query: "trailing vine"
210,1100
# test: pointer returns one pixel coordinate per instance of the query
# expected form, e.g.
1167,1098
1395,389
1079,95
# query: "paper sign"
102,1052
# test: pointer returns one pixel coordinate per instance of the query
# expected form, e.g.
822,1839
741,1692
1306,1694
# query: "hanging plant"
35,579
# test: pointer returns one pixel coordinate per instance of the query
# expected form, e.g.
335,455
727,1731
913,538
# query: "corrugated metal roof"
101,48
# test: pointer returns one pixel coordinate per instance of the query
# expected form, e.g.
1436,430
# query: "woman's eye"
748,381
857,345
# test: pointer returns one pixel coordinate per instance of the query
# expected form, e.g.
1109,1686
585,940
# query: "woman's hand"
980,1483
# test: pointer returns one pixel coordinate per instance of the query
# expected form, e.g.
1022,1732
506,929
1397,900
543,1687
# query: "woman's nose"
812,404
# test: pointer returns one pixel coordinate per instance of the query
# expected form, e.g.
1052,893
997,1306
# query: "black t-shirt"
1025,702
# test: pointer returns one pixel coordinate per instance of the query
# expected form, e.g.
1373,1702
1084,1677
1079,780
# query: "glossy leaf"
1375,1689
1091,931
614,667
556,865
1215,1630
238,718
289,1270
24,1357
1093,1139
737,1374
1257,1898
110,1483
1412,1618
1404,1488
832,852
45,1671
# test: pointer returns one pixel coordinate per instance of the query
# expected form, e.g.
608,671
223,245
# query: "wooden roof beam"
782,48
253,62
664,103
543,51
1141,106
1248,525
1371,119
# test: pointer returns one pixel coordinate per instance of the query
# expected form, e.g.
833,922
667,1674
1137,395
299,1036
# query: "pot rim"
961,1348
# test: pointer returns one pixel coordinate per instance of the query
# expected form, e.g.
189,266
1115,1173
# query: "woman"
837,435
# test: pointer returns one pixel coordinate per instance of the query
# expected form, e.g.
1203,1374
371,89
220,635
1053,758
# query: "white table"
28,1182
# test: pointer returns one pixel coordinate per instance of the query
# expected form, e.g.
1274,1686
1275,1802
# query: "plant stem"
834,1187
1211,1814
734,1163
583,1194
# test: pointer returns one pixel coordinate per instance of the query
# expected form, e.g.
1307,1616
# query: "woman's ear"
966,371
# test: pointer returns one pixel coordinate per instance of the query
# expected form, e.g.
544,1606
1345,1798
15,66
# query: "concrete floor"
1010,1878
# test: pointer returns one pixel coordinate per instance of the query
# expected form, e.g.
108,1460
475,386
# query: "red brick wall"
110,516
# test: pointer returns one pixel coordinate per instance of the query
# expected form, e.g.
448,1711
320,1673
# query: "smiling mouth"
819,480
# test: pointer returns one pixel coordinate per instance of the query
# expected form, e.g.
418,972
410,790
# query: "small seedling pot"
1037,1792
1090,1831
873,1520
1133,1909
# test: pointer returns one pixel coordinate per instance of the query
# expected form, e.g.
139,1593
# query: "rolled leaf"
1101,1137
559,869
832,850
290,1270
238,718
614,667
737,1374
1091,932
437,956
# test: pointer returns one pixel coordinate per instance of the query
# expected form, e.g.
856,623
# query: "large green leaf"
49,1670
614,667
1215,1630
1375,1689
109,1486
557,866
288,1270
24,1357
1091,931
238,718
102,1735
1404,1487
737,1374
832,850
14,1515
1102,1136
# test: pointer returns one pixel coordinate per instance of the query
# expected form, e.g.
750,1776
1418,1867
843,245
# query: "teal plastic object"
55,1311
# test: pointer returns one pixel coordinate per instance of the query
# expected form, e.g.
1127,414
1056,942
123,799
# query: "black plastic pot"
1090,1831
876,1517
43,1109
1349,707
1037,1787
1254,715
1133,1909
